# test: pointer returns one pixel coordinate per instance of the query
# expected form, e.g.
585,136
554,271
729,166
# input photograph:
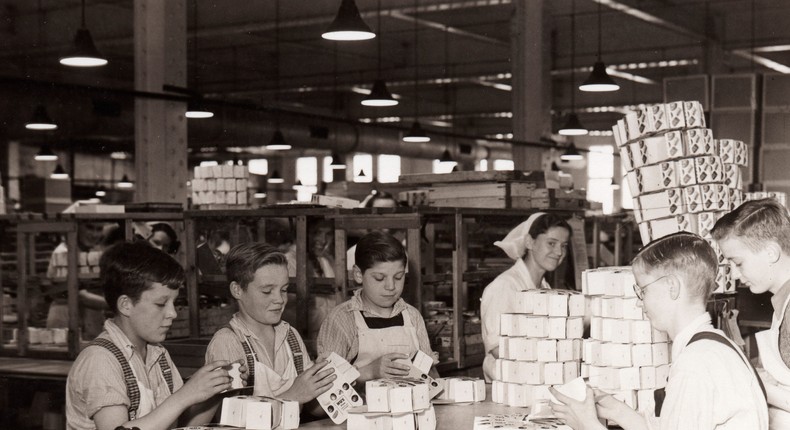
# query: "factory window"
442,167
307,174
363,168
600,171
259,166
482,166
504,165
328,169
388,168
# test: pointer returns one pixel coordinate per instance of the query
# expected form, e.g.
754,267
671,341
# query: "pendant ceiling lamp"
59,173
573,127
125,182
599,80
379,95
196,107
348,24
101,192
446,158
571,153
275,178
416,133
84,52
277,143
45,154
40,120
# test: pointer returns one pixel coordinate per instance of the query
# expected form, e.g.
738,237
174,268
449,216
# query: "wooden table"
34,368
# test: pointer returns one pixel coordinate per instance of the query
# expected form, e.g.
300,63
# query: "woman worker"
538,245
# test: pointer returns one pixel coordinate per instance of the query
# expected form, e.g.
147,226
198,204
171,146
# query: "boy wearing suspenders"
273,351
711,383
125,377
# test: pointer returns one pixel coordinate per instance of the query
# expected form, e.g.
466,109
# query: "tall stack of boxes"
540,346
681,178
624,355
220,186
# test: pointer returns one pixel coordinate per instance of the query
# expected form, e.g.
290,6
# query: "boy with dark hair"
275,353
755,238
711,383
125,377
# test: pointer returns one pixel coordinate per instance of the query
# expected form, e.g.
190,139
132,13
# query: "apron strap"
132,390
709,335
296,351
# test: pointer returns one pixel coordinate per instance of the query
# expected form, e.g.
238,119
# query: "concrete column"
160,126
531,82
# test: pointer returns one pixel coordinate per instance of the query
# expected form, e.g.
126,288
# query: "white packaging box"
715,197
363,421
198,184
575,328
592,352
267,413
657,149
524,302
241,184
577,304
197,172
626,396
732,176
626,157
342,396
606,378
518,395
642,355
241,197
569,349
540,305
687,172
651,230
584,371
616,354
558,304
420,394
699,141
660,353
216,172
662,375
631,310
632,127
84,270
522,348
620,132
82,259
498,391
646,401
558,328
736,198
647,377
211,184
234,411
724,280
230,197
219,184
230,184
227,171
694,115
596,306
547,350
692,197
422,361
560,372
94,257
709,169
608,329
653,118
403,421
663,204
659,336
220,197
596,328
60,258
733,151
675,115
649,179
524,325
629,378
622,331
612,307
240,172
705,223
426,419
461,389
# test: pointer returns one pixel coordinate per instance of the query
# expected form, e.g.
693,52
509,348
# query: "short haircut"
130,268
171,233
378,247
683,254
754,223
244,259
545,222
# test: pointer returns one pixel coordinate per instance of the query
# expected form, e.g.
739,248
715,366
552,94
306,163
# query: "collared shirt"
778,301
226,345
710,386
339,331
96,380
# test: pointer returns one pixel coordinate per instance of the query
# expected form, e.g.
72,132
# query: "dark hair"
244,259
168,230
754,223
129,268
378,247
684,254
374,195
546,222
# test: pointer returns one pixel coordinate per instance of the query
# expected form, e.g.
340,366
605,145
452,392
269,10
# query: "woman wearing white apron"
376,328
538,245
755,238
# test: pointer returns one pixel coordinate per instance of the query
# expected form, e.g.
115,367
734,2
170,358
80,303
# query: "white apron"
779,389
374,343
269,383
147,401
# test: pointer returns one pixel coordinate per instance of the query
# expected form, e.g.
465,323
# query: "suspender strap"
296,350
248,352
708,335
131,382
164,366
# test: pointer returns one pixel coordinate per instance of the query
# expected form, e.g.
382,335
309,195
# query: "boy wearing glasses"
755,238
711,383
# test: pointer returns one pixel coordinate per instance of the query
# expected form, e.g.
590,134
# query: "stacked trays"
680,177
757,195
625,355
540,346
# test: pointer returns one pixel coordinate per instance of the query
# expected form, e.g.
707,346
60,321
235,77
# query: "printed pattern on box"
224,185
342,396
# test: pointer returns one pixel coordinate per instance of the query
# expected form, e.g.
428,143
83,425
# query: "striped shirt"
96,379
339,331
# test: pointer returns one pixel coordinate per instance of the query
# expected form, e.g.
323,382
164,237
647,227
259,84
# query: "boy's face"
382,284
153,314
549,248
265,297
656,300
752,268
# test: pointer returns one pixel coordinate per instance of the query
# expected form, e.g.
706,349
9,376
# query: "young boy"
376,327
276,357
125,377
711,383
755,238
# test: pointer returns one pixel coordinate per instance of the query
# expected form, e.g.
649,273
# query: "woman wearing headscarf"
538,245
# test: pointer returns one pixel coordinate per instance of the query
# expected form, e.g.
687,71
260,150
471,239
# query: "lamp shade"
45,154
416,134
571,153
278,142
379,95
101,192
125,182
337,161
196,109
348,24
446,157
83,53
40,120
573,127
599,80
275,178
59,173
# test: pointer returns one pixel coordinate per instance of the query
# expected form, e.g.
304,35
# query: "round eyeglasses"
640,291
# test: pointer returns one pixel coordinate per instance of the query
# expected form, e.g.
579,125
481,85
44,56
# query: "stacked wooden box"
680,177
624,355
220,186
540,346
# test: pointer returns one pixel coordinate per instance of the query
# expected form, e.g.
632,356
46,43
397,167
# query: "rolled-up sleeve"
338,335
494,301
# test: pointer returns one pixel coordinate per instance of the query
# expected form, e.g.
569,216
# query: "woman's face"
549,249
160,240
320,240
382,284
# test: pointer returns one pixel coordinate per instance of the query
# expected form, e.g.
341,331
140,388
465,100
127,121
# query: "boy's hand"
312,382
578,415
207,381
386,366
